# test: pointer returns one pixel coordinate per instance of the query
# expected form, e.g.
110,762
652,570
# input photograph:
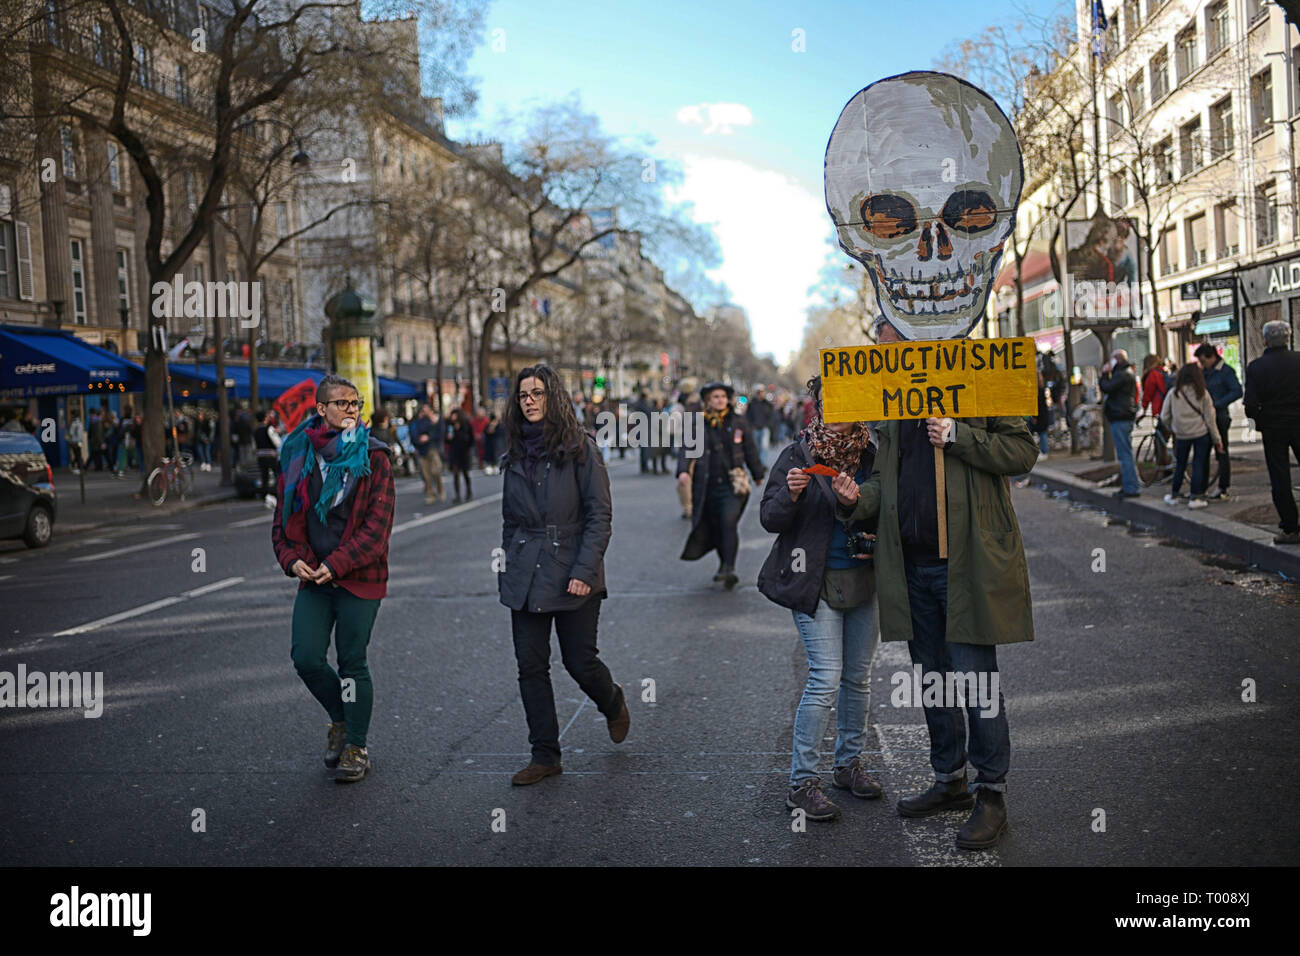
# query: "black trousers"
576,630
1222,419
1279,445
722,510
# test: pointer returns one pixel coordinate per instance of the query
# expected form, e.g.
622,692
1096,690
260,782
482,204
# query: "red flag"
296,404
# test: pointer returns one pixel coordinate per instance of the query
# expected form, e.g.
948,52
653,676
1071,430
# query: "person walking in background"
1155,383
493,444
1221,382
267,442
719,486
759,413
203,441
76,435
95,437
333,520
428,437
479,425
832,598
1273,400
460,449
1188,412
555,527
1119,385
1042,422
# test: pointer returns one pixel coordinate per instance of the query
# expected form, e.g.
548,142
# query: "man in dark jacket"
1224,389
428,435
1273,401
1119,385
333,519
760,414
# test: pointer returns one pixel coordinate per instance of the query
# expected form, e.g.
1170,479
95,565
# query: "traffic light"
599,382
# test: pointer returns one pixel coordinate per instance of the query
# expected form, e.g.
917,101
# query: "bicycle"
174,475
1155,459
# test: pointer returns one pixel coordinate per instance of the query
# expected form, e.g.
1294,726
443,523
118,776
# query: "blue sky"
720,89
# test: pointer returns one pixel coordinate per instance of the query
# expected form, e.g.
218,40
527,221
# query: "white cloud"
716,117
773,237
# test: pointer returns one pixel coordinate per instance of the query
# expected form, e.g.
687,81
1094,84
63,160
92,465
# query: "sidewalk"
112,500
1243,527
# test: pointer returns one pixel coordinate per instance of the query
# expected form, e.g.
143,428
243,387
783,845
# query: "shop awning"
201,382
396,389
36,361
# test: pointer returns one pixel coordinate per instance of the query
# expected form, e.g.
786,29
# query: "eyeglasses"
536,395
347,404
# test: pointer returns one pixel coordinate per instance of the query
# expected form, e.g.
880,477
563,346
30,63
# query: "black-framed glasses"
536,395
347,404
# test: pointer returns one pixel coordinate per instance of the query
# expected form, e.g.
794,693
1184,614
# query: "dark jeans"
1222,419
990,738
269,468
1279,445
1200,449
722,511
576,630
317,610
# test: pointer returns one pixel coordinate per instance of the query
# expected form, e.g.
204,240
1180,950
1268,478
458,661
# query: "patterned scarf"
347,451
843,452
714,419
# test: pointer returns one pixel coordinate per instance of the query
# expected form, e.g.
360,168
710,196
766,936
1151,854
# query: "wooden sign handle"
941,500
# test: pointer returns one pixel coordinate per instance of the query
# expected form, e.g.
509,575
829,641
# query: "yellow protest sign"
940,378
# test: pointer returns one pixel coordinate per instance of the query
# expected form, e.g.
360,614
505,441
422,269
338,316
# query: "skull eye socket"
970,211
888,217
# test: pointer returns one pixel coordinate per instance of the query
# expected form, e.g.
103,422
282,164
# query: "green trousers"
318,610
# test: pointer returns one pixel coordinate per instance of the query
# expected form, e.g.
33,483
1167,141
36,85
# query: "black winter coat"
1120,389
743,452
1273,389
808,524
554,528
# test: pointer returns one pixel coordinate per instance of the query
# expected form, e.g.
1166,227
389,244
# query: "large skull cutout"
923,174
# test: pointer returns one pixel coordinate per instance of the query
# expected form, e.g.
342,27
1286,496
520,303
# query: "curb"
1204,530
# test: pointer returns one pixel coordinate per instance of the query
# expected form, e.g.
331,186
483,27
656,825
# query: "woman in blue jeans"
821,568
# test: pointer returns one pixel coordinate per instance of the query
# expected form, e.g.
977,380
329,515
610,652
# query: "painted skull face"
923,174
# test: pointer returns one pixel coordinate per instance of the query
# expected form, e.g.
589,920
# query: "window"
114,168
100,46
1185,45
1266,214
1227,227
69,152
1159,70
1197,241
282,219
52,22
15,252
123,283
1191,150
1216,27
170,11
144,65
1221,128
1132,18
190,200
204,19
1115,111
78,283
1118,191
1261,102
182,88
1168,252
1163,159
1256,10
8,267
1137,95
286,312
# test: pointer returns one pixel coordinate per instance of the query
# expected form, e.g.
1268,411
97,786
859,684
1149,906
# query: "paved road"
1129,702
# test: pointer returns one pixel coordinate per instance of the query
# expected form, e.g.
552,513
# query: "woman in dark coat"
555,508
716,503
820,568
460,446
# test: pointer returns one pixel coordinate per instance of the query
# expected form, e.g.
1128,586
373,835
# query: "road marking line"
249,522
146,608
573,718
5,577
455,510
135,547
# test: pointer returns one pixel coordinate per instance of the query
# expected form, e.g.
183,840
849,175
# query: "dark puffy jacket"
1221,382
1120,389
554,528
1273,389
808,524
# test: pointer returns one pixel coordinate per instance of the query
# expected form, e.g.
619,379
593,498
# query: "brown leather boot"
535,772
618,726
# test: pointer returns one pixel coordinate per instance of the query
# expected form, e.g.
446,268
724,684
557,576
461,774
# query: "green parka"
988,579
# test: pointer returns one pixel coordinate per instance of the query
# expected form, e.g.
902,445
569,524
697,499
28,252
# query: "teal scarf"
344,452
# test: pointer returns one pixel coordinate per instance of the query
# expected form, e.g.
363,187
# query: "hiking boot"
854,779
1289,537
987,823
535,772
942,795
354,762
618,725
334,744
809,798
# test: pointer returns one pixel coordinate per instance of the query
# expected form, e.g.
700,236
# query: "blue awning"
201,381
37,361
397,390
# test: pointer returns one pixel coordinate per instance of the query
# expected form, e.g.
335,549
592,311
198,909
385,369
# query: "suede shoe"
987,823
809,798
334,744
535,772
854,779
942,795
618,726
354,763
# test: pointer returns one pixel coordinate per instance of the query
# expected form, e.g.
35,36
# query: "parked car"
27,500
